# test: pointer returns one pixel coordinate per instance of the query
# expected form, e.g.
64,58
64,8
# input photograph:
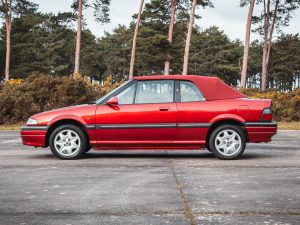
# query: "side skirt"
134,145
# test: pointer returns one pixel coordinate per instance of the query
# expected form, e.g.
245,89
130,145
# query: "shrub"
286,106
38,93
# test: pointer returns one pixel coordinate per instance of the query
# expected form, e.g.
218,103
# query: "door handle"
164,108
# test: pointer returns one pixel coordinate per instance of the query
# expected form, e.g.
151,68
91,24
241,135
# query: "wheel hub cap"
67,142
228,142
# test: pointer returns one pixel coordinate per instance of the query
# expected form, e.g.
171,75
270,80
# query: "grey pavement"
151,187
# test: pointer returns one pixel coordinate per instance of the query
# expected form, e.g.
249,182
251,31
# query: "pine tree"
275,15
170,36
101,9
6,9
133,51
247,43
189,33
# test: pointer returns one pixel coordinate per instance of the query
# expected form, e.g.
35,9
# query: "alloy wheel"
228,142
67,142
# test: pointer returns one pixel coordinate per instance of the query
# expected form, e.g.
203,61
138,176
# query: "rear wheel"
227,142
68,142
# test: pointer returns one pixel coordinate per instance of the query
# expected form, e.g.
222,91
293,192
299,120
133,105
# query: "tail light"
266,114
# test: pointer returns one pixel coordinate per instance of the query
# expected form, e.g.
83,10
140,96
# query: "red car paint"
174,125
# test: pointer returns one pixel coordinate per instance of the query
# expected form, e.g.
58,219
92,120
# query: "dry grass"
11,126
288,125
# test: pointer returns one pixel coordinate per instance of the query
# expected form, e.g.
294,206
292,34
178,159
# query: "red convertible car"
157,112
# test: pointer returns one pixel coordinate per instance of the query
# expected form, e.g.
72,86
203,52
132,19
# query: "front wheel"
227,142
68,142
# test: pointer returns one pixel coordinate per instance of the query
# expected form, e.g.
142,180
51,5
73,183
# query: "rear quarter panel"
201,113
241,110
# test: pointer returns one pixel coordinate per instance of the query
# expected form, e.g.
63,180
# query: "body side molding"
260,124
148,125
34,128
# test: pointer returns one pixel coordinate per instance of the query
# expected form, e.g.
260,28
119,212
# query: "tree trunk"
78,36
170,36
265,48
247,44
268,43
7,6
7,62
188,39
264,68
133,50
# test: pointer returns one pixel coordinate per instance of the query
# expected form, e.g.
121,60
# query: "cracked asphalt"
151,187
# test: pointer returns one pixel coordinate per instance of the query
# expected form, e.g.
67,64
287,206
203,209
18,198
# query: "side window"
189,92
126,96
156,91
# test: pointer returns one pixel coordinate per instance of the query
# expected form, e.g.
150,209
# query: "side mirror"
113,101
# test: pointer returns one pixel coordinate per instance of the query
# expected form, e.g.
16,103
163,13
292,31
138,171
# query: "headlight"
31,122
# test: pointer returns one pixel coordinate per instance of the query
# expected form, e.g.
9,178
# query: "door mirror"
113,101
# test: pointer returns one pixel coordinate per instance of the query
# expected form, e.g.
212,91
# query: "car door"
146,115
192,113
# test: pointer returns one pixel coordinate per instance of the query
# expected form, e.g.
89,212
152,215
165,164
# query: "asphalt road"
151,187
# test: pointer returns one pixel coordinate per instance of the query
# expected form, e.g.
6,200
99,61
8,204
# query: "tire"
68,142
227,142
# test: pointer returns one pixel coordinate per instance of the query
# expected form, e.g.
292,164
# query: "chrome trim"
194,125
135,126
34,128
149,125
90,126
260,124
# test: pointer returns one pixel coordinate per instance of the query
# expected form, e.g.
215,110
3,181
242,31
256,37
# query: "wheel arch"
61,122
223,121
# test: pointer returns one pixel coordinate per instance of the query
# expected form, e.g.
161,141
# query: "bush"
286,106
21,99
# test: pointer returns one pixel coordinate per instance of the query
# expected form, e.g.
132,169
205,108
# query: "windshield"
112,93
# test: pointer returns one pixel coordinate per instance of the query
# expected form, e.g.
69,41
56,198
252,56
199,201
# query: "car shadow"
169,154
156,154
164,154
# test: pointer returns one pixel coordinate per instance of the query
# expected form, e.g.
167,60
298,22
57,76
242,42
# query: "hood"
81,113
65,109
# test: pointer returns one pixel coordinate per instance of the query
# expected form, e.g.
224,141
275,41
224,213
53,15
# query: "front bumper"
260,131
34,135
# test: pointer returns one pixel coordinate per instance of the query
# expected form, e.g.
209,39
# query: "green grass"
281,126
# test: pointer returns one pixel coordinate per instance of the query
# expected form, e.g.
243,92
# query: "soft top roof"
211,87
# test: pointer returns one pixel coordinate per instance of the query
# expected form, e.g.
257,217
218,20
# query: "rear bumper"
260,131
34,135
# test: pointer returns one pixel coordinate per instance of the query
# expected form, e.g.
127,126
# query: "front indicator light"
31,122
